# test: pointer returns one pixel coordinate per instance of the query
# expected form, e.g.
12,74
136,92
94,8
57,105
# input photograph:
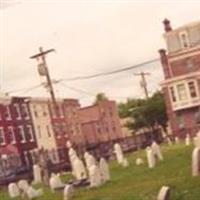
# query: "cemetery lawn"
141,183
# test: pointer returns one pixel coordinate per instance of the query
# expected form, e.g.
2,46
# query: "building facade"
181,66
100,122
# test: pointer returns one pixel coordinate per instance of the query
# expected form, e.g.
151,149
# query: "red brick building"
16,128
100,122
181,66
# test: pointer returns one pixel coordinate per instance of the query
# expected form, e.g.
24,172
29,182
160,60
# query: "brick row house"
29,124
181,66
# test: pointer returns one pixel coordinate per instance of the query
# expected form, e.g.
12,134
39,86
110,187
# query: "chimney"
167,25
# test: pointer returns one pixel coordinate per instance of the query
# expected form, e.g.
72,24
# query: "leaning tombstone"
37,174
33,193
89,160
164,193
104,168
13,190
196,162
79,169
150,157
68,192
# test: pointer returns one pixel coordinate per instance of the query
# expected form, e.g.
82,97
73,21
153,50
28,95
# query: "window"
184,39
192,89
48,131
173,96
182,94
25,111
2,137
18,114
21,134
11,135
8,113
30,133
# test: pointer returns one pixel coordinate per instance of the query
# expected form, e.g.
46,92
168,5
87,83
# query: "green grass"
141,183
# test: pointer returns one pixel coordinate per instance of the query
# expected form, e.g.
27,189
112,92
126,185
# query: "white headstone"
13,190
55,182
125,163
79,169
37,174
119,153
68,192
104,168
33,193
89,160
139,161
23,185
164,193
187,140
95,176
196,162
156,150
150,157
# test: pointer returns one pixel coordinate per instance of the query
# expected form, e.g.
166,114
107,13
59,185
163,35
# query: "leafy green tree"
100,97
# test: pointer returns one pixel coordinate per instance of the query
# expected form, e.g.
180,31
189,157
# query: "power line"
109,73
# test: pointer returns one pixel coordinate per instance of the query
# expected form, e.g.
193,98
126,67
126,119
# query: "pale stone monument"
55,182
79,169
13,190
150,157
119,153
68,192
196,162
33,193
37,174
89,160
139,161
187,140
95,176
23,185
125,163
164,193
157,151
104,168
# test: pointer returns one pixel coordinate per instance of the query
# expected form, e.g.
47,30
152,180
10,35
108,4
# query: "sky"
89,37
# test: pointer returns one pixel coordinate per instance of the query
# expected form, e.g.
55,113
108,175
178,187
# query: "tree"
100,97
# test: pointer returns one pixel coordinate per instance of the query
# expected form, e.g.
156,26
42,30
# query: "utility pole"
43,71
143,82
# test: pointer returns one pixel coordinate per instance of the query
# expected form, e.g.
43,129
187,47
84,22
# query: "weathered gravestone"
139,161
55,182
164,193
150,158
196,162
156,151
23,185
33,193
68,192
89,160
79,169
95,176
13,190
104,168
37,174
119,153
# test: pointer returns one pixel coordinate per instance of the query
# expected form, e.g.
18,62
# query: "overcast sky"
89,37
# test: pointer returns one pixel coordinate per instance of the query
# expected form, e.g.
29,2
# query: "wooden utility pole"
143,82
43,71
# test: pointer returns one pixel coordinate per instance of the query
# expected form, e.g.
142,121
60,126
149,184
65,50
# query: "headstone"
164,193
196,162
139,161
68,192
37,174
156,151
79,169
33,193
150,157
89,160
55,182
13,190
119,153
104,168
177,141
187,140
23,185
95,176
125,163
